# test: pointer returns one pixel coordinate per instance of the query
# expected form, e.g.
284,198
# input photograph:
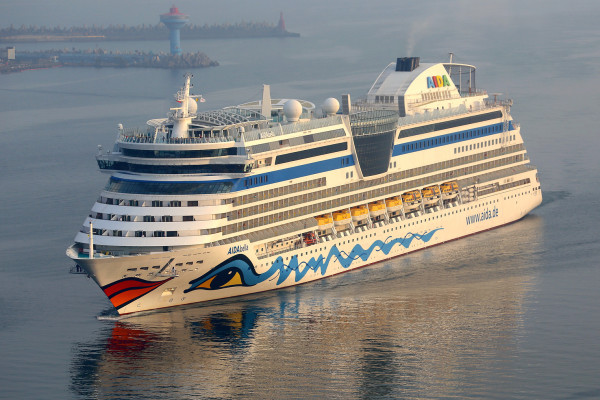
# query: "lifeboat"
393,204
341,217
411,200
324,221
431,195
411,197
449,190
377,208
359,213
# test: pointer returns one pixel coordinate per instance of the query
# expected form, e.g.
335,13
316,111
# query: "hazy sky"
68,12
133,12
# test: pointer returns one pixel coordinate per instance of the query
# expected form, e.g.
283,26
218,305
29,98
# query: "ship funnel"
407,64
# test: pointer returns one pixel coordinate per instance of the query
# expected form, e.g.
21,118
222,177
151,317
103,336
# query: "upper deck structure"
203,205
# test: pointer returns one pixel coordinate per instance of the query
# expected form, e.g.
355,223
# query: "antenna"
496,97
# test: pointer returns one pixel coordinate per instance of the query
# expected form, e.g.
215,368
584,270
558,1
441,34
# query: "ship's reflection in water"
434,323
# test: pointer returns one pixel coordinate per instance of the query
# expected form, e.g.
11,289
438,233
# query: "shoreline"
99,58
152,35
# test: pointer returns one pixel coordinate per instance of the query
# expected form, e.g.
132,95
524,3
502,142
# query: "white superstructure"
215,204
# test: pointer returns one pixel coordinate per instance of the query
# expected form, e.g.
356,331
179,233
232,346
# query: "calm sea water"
510,313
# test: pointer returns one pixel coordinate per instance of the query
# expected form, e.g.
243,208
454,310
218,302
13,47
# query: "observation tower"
174,20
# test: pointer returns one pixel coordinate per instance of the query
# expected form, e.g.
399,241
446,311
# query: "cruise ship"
207,205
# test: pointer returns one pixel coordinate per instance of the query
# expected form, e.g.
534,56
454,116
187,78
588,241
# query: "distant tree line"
140,32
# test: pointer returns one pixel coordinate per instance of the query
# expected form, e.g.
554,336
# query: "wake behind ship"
273,193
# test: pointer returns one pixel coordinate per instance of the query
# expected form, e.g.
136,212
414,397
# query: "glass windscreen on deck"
228,151
317,151
438,126
166,188
373,136
175,169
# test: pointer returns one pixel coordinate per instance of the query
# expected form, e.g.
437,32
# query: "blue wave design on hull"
239,271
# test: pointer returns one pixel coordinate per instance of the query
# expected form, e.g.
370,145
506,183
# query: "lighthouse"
281,24
174,20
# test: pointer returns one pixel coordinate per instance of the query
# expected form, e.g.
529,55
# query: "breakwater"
102,58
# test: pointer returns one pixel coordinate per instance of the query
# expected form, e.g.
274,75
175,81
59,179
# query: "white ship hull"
229,271
224,203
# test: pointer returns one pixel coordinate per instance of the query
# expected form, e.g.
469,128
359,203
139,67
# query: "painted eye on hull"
227,278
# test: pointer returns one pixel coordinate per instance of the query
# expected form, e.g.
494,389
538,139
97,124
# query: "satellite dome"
330,106
292,110
192,106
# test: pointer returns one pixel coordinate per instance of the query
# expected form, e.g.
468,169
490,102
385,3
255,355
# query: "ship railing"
288,228
362,105
77,254
280,130
192,140
499,102
472,93
136,135
484,179
442,113
76,269
285,250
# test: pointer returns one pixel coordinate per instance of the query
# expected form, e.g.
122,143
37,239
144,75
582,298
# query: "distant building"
7,53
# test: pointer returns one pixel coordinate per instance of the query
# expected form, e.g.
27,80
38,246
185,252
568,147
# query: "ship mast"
182,116
91,240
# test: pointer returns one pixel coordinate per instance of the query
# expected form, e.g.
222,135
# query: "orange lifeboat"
431,194
324,221
411,200
411,197
359,213
341,217
393,204
377,208
449,190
